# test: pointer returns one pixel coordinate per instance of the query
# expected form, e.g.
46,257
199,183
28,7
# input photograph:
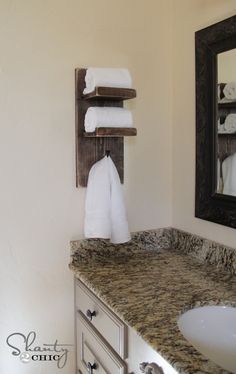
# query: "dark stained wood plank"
231,105
111,93
111,132
229,135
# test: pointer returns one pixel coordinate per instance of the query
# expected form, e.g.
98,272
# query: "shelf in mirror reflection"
227,134
229,105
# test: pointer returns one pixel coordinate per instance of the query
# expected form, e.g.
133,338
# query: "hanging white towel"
105,214
97,205
107,117
219,177
107,77
229,175
119,224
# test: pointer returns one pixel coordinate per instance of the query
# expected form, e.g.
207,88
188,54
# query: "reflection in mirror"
226,117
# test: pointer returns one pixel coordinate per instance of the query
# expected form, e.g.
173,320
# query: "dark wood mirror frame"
210,205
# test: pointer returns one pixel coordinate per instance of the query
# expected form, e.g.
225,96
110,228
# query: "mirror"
226,122
215,198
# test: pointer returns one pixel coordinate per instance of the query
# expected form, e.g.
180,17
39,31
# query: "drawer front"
106,322
94,356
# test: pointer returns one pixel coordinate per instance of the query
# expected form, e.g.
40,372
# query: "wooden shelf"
110,93
233,134
229,105
111,132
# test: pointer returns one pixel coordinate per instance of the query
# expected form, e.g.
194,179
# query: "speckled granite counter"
151,280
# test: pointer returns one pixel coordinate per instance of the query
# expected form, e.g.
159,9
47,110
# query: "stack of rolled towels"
107,116
227,125
226,92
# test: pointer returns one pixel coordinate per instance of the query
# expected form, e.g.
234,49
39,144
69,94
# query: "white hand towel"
107,117
105,215
229,175
230,91
219,178
107,77
97,205
119,224
230,123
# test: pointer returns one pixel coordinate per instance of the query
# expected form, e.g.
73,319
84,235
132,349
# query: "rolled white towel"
230,91
230,123
221,95
218,92
107,77
221,127
107,117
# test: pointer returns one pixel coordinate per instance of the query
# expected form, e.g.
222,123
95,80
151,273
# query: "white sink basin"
212,331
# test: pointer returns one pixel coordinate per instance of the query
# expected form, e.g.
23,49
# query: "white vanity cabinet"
106,345
112,329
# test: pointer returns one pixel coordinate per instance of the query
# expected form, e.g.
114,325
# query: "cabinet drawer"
93,350
107,323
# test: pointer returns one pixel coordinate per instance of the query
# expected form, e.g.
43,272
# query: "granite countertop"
151,280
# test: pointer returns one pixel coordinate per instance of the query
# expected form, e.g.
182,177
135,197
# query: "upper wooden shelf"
229,105
110,93
111,132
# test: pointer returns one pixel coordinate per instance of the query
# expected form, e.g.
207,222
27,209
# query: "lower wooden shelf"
111,132
227,105
230,134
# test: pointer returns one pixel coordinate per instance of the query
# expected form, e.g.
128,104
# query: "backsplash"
141,240
203,250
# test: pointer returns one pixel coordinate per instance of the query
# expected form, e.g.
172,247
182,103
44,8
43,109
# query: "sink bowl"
212,331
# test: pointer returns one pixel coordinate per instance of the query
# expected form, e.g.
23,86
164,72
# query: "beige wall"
226,66
40,209
190,16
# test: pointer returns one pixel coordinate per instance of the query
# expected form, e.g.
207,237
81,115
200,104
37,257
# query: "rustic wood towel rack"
91,147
